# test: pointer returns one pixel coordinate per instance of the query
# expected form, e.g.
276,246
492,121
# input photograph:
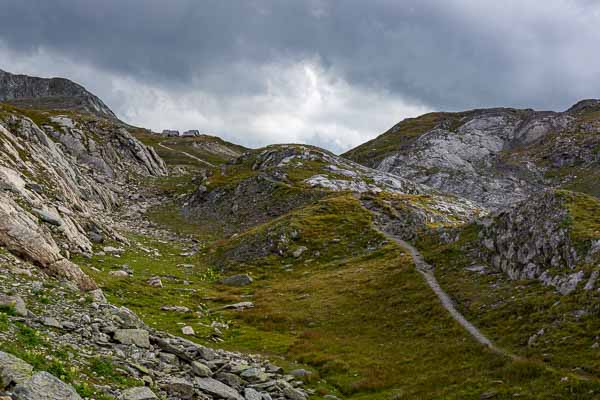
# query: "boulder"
138,337
48,217
299,251
200,369
251,394
230,380
293,394
238,306
13,370
180,388
44,386
300,373
155,281
52,322
16,302
237,280
254,375
180,309
216,388
98,296
138,393
112,250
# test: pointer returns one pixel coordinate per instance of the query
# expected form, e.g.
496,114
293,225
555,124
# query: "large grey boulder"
44,386
49,217
138,337
138,393
180,388
216,388
13,370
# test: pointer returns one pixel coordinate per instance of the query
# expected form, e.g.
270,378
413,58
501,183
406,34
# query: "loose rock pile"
165,366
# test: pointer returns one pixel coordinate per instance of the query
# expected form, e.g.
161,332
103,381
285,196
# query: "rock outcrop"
540,239
495,157
58,176
54,93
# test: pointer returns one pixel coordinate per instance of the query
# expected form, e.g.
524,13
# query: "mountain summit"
50,93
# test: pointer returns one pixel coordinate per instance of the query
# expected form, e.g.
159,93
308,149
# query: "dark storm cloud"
441,54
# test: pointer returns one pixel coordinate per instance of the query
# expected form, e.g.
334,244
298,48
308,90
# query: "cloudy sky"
328,72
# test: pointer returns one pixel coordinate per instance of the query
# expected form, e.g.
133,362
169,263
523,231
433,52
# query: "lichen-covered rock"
44,386
138,337
138,393
13,370
539,239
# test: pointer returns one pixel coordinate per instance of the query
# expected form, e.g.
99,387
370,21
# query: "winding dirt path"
186,154
427,271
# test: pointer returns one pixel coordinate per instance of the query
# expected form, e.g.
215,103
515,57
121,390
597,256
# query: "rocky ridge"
57,179
54,93
494,157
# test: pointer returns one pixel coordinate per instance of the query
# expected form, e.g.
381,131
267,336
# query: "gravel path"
427,271
186,154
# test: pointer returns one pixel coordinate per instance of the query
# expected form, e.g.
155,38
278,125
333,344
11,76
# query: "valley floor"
364,323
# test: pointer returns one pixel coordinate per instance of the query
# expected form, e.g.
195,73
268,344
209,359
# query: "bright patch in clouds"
298,102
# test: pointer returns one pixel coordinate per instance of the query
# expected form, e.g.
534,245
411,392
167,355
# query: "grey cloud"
442,54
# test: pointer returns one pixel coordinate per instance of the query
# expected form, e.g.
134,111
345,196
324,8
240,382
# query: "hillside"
529,282
492,156
136,266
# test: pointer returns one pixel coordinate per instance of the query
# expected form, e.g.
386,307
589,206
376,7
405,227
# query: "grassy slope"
374,151
175,157
511,312
357,313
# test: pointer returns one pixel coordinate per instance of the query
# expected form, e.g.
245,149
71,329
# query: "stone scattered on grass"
237,280
188,330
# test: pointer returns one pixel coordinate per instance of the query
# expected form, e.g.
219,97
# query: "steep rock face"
542,238
493,156
56,179
466,162
21,234
53,93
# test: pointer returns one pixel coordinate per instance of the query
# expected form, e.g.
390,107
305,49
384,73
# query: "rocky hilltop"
494,157
53,93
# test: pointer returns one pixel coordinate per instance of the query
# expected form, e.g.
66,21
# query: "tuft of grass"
7,310
4,322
